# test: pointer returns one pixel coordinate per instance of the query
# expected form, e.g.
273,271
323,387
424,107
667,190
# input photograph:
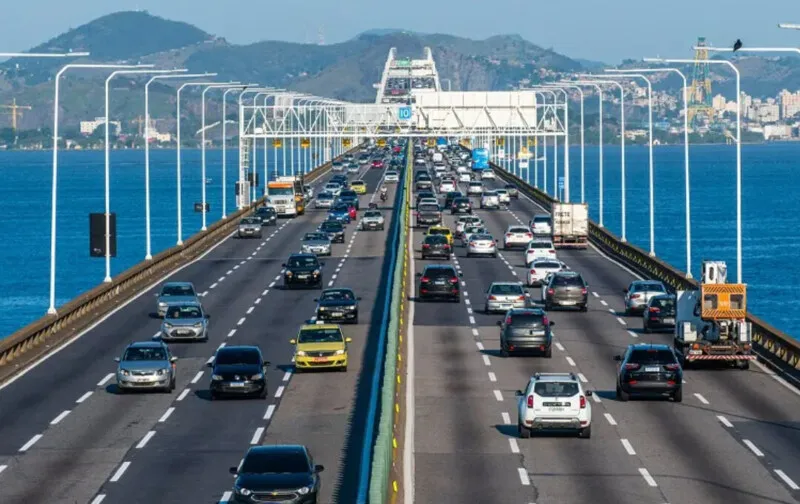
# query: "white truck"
570,225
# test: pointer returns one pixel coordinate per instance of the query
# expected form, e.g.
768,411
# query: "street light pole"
738,148
225,145
566,142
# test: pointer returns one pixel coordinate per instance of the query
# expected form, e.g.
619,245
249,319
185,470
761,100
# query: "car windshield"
543,219
340,208
427,207
648,287
481,236
333,186
357,183
546,265
461,201
506,289
489,193
526,319
372,213
138,354
518,229
475,184
665,304
324,196
283,462
567,281
501,191
348,193
473,229
555,389
229,356
177,290
440,272
438,231
652,356
315,237
320,336
184,312
339,295
249,221
265,211
391,174
302,262
435,239
540,245
331,226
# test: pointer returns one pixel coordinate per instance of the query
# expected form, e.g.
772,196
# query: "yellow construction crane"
15,111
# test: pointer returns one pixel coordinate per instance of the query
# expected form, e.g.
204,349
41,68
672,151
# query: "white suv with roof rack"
554,401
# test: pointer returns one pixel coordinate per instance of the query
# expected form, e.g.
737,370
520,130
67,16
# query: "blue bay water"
25,194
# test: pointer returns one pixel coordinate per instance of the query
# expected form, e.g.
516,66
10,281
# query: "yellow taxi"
320,346
359,186
441,230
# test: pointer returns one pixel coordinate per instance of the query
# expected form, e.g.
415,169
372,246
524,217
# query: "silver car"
324,200
503,296
481,244
470,231
333,188
373,219
316,243
391,176
146,365
353,167
639,293
184,322
175,293
490,199
249,227
503,196
467,220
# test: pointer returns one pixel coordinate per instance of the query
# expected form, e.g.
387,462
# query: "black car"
450,196
439,281
461,205
436,246
350,197
340,179
334,229
649,369
526,330
659,315
302,269
238,370
267,215
337,305
276,473
428,214
424,194
423,185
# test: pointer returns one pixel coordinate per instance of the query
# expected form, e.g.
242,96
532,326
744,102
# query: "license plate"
568,303
337,314
320,359
652,369
440,282
183,333
556,409
236,384
302,277
669,320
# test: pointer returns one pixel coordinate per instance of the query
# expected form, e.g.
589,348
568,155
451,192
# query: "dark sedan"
267,215
276,473
439,281
334,229
303,270
461,205
649,369
436,246
238,370
450,197
659,315
338,305
350,197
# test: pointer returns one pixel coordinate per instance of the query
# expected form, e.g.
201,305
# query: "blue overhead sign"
561,182
404,113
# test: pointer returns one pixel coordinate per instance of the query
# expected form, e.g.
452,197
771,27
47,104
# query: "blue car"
340,213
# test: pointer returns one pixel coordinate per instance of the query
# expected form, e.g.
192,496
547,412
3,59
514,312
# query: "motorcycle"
383,196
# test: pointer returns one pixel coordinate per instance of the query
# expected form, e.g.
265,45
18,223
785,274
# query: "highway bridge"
427,411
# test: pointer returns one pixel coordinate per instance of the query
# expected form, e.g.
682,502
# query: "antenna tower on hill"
321,36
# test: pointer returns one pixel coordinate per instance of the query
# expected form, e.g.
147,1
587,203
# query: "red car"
377,163
396,148
352,210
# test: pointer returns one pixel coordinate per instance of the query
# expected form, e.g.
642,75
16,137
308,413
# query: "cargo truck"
711,323
287,195
570,225
480,159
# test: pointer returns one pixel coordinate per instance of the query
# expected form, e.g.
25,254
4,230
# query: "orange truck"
287,196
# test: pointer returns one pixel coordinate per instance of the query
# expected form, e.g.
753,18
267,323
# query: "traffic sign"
276,142
532,142
499,141
346,142
305,143
404,113
431,142
561,182
381,142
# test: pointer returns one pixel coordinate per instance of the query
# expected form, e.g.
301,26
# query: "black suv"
276,473
436,246
334,229
526,330
267,215
302,269
450,196
439,281
238,370
337,305
461,204
649,369
350,197
659,315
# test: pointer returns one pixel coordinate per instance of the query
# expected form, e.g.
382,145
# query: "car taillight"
631,366
654,309
545,321
672,367
494,243
583,402
454,280
528,235
635,296
509,235
426,246
533,271
508,321
551,291
424,279
552,251
530,401
584,290
521,298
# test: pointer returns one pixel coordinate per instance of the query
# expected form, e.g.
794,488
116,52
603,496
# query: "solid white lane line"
514,446
603,302
753,448
166,414
724,421
498,395
506,418
61,416
628,446
492,377
197,377
231,332
486,360
145,439
279,391
257,436
523,476
570,361
560,346
100,498
610,418
621,321
84,397
582,378
250,310
183,394
287,376
270,411
479,345
786,479
32,441
595,294
646,475
102,382
241,321
633,334
701,398
120,472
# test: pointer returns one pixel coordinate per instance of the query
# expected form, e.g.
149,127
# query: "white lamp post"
738,148
687,198
243,88
566,142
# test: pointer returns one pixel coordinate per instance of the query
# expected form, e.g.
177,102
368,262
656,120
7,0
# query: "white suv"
539,249
554,401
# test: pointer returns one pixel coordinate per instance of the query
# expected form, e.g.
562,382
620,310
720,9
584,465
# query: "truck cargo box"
570,225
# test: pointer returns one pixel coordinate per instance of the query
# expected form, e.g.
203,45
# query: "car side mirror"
319,468
234,470
499,323
210,364
155,294
283,265
116,359
461,274
618,358
552,323
316,300
348,340
588,393
518,393
419,273
267,363
358,298
292,341
207,316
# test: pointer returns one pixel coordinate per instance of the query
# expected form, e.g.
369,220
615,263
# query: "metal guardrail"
771,344
52,331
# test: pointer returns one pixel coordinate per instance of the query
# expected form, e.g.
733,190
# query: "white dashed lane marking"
145,439
724,421
753,448
610,418
197,377
105,380
628,446
32,441
498,395
61,416
183,395
486,360
701,398
506,418
621,321
118,475
270,411
646,475
166,414
84,397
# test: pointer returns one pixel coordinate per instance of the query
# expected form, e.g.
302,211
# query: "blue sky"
577,28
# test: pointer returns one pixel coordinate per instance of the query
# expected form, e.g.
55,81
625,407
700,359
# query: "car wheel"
503,351
355,321
677,396
172,385
486,309
547,306
548,353
469,255
627,311
423,256
622,395
524,432
264,393
585,308
343,369
586,432
645,329
456,299
214,396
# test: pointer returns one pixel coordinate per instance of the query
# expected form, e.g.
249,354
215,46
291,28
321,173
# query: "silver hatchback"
640,292
481,244
175,293
186,322
504,296
146,365
316,243
249,227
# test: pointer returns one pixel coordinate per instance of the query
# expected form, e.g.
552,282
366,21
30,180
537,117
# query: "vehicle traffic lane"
205,438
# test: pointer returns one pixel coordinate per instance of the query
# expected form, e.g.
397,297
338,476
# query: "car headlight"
339,352
316,272
301,353
161,372
167,325
198,325
304,490
321,308
351,307
162,305
242,491
257,376
216,377
289,273
124,372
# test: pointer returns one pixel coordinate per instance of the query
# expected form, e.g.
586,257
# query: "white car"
481,244
462,169
475,188
540,268
471,231
464,177
517,236
337,166
447,186
439,169
333,188
487,175
490,199
554,401
503,196
465,221
540,224
539,249
420,161
391,176
324,200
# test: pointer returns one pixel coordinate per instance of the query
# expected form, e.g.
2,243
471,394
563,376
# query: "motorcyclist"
383,193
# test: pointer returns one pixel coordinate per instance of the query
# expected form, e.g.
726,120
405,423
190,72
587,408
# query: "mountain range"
346,70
